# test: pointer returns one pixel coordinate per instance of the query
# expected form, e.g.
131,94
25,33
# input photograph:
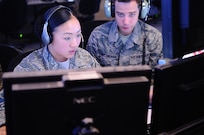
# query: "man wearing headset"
126,40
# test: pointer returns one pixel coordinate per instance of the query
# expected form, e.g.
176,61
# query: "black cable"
144,47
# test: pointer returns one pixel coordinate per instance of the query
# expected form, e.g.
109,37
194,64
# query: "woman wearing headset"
126,40
61,36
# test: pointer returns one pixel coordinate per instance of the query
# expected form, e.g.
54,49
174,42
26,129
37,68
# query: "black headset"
46,36
109,8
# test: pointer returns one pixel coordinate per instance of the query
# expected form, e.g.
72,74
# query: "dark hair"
57,18
138,1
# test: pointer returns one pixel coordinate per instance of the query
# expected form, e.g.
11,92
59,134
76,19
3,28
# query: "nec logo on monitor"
84,100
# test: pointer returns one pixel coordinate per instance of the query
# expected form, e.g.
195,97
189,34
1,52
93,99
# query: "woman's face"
66,40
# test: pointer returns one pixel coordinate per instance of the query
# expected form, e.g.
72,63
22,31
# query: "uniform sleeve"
92,46
2,108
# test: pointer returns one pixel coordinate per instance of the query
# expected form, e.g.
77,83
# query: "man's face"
126,16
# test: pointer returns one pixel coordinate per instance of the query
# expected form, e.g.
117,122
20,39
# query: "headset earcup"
144,9
45,36
107,8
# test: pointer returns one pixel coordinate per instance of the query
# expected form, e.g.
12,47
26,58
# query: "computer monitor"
177,94
182,27
82,101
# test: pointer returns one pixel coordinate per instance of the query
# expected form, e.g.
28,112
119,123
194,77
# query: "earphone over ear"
109,8
46,36
144,9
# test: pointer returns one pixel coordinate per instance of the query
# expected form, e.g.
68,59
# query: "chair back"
88,27
16,60
7,53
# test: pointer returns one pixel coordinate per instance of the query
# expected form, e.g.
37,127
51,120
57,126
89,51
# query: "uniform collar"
136,37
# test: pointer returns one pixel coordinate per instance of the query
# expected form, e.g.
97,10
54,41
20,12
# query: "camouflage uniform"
106,46
2,108
1,72
41,60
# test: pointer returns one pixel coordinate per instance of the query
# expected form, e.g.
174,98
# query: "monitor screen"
177,94
77,102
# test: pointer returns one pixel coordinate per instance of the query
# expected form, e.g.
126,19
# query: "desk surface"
37,2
